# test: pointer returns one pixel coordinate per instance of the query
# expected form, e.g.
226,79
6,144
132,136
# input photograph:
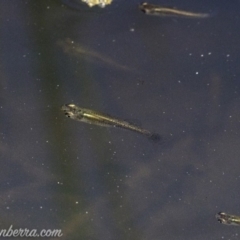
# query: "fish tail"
155,137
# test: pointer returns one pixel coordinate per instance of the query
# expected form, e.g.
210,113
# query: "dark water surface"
182,81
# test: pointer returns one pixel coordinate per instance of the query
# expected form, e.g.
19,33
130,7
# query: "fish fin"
155,137
214,13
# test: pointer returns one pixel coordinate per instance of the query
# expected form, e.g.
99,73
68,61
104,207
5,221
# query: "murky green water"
181,81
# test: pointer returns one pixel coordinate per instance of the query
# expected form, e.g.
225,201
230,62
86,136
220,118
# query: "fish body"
228,219
102,119
151,9
77,50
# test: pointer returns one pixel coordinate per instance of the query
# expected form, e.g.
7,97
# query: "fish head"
146,7
220,217
225,218
72,111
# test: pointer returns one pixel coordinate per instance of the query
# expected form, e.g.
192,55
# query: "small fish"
76,4
75,49
101,119
228,219
100,3
151,9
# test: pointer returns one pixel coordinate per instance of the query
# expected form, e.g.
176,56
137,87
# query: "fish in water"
228,219
156,10
76,4
101,119
100,3
75,49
